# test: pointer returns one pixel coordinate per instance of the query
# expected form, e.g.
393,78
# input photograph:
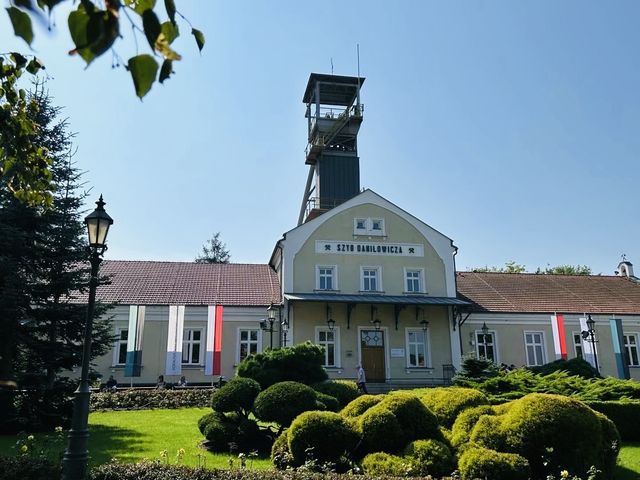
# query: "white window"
577,344
360,225
120,347
248,342
326,278
486,346
631,348
534,346
413,280
377,225
369,226
329,340
192,346
417,348
370,279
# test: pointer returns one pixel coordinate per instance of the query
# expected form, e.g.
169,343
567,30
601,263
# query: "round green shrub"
430,457
461,430
416,421
326,435
237,395
344,390
218,430
485,463
327,402
357,407
206,419
381,431
610,445
382,464
488,433
447,402
284,401
280,455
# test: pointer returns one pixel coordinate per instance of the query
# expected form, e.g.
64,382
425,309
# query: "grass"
628,462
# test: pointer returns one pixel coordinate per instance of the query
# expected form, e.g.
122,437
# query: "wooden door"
372,355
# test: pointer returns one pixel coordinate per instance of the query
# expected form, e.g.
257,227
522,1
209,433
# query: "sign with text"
370,248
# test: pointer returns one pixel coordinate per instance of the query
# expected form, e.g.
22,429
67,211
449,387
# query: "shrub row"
27,468
144,399
624,414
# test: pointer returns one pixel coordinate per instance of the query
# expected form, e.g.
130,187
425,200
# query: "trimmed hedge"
28,468
381,431
485,463
280,454
448,402
145,399
237,395
344,390
382,464
327,402
624,414
221,429
284,401
461,430
430,457
360,405
416,421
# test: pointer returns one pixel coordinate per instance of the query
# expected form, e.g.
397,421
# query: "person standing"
361,379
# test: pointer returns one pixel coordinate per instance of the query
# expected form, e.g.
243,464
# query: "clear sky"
511,127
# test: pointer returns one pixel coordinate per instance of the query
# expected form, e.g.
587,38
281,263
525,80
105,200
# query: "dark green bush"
344,390
206,419
624,414
299,363
448,402
144,399
326,435
327,402
415,420
610,446
574,366
218,430
360,405
461,430
28,468
39,409
237,395
477,463
284,401
381,431
382,464
430,457
475,369
280,455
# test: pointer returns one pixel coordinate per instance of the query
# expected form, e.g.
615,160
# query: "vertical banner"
587,347
559,336
217,346
133,365
211,335
619,350
174,340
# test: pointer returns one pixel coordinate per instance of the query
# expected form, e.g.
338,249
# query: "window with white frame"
248,342
413,281
370,279
577,344
120,348
486,345
192,346
534,346
329,340
369,226
326,278
417,348
631,348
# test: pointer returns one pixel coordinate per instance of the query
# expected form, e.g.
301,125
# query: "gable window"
534,346
361,225
577,344
369,226
248,340
377,225
329,340
413,282
120,348
486,346
417,348
631,348
326,277
370,279
192,346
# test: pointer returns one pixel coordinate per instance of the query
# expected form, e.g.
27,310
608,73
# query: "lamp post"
590,335
284,325
76,456
271,318
331,323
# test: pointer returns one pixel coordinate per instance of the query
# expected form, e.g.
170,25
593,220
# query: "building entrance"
372,354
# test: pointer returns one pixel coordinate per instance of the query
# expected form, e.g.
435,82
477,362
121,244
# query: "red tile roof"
187,283
535,293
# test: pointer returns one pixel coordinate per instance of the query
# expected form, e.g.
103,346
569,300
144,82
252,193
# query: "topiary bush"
327,402
284,401
237,396
357,407
132,399
415,420
430,457
218,430
461,430
300,363
625,414
381,431
382,464
280,454
326,435
575,367
448,402
477,463
344,390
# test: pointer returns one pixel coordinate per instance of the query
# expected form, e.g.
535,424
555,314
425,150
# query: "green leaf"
78,24
18,59
199,38
170,7
170,31
21,24
166,70
151,26
143,70
34,66
140,6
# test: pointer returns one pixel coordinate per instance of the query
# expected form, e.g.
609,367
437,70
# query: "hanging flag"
133,365
214,340
619,349
559,336
174,340
588,347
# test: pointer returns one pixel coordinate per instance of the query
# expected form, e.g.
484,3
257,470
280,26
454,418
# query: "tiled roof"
535,293
187,283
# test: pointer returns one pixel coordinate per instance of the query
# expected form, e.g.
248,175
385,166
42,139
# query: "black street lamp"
271,318
284,325
590,335
331,323
76,456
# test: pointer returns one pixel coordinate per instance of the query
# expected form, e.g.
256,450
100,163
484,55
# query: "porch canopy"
398,301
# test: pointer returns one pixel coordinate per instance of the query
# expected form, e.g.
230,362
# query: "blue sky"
511,127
